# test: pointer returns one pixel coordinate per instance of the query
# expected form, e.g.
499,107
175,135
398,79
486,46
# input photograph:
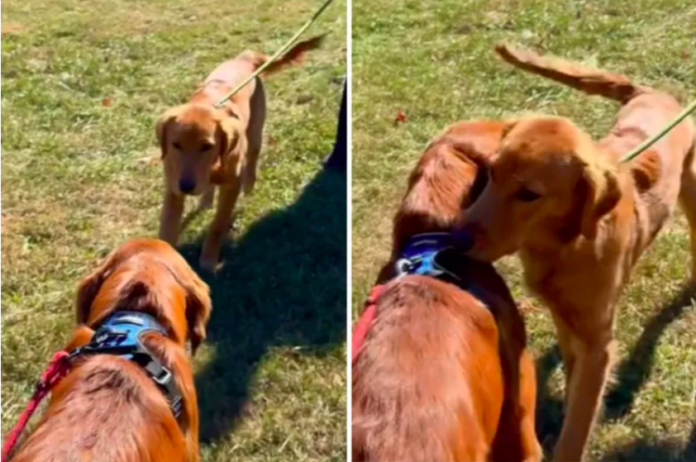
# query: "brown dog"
443,374
108,407
580,220
204,146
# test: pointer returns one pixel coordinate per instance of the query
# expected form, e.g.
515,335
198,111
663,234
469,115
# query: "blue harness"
419,256
121,334
424,255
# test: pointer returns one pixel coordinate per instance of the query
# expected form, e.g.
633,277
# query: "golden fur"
579,220
443,375
204,146
108,408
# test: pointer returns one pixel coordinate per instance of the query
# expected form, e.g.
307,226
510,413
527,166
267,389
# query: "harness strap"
119,335
362,327
57,369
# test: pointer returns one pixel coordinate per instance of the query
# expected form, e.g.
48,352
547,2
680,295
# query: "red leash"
56,370
362,327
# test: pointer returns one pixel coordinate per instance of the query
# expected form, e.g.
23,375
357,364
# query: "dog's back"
234,71
428,367
439,375
106,409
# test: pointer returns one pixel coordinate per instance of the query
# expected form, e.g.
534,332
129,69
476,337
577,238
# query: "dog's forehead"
196,120
539,143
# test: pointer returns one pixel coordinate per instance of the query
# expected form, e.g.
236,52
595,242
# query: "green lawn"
434,61
82,85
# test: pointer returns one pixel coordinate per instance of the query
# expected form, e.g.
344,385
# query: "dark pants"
337,159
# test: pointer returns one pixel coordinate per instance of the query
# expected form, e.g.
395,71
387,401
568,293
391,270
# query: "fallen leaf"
400,117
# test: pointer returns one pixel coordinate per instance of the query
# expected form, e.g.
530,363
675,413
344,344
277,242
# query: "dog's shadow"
666,451
632,373
283,283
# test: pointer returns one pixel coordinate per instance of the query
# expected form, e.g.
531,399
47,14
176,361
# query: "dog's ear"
231,138
89,286
198,309
602,194
163,124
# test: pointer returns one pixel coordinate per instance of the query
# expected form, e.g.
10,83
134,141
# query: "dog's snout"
187,185
463,239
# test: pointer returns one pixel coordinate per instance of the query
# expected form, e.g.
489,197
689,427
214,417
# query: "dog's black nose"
462,239
187,185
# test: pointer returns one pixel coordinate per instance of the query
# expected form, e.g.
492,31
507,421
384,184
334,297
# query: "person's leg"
338,158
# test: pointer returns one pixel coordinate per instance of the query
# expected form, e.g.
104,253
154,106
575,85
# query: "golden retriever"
443,374
579,219
107,407
204,146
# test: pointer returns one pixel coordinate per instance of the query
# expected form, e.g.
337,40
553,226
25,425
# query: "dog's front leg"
207,199
221,224
584,395
172,210
531,449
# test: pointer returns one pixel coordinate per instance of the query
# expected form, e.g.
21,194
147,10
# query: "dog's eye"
206,147
177,145
527,195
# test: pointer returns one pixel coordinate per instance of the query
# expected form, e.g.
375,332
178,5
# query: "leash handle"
273,58
57,369
658,136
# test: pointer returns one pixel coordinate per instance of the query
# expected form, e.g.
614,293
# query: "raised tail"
295,55
588,80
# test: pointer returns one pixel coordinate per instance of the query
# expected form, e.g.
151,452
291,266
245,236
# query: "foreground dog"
580,220
443,374
110,406
204,146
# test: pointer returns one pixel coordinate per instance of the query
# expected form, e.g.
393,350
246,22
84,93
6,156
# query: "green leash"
655,138
277,54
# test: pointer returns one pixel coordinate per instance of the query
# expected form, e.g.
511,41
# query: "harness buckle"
164,378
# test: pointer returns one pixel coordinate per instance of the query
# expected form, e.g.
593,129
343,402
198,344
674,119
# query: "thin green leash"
655,138
277,54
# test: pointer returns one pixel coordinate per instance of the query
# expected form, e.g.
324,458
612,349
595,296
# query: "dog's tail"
588,80
295,55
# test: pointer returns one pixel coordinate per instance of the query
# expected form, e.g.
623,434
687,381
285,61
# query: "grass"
434,62
82,84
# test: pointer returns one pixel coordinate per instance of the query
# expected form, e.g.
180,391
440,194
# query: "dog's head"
194,138
548,181
148,275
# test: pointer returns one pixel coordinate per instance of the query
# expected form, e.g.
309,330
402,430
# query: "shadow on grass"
655,452
283,284
549,415
636,369
632,373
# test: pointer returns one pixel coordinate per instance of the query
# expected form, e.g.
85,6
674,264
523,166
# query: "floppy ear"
89,286
198,309
162,125
603,193
231,138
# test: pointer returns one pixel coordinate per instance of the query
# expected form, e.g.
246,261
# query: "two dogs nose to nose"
187,185
463,239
